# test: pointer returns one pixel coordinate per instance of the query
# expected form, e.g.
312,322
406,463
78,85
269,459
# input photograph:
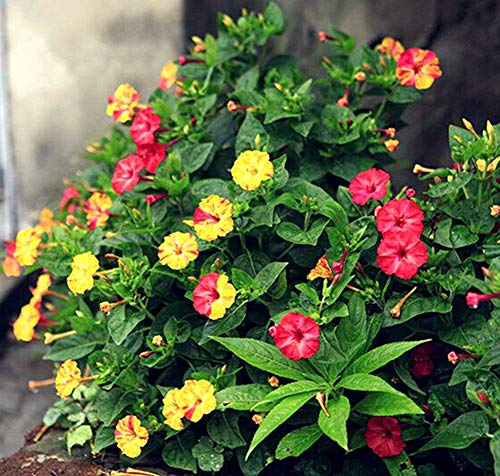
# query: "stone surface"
21,409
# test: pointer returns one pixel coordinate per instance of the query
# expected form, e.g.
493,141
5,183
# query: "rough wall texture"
64,58
464,33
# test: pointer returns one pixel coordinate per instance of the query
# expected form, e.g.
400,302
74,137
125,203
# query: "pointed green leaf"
387,404
335,425
367,383
283,391
298,441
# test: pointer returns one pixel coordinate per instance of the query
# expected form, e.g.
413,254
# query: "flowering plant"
235,284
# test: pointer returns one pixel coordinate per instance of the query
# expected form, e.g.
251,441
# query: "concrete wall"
64,58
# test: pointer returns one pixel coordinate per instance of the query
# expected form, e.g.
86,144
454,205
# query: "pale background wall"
64,58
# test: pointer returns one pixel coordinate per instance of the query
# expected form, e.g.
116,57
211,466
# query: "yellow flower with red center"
97,209
178,250
42,286
122,103
46,221
67,378
175,405
391,47
213,295
418,68
131,436
27,242
10,265
391,145
213,218
168,76
81,279
251,168
24,326
321,270
202,394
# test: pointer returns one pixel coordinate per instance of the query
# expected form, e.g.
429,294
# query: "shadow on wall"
465,34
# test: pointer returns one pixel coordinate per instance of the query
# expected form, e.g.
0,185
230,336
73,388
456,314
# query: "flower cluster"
236,287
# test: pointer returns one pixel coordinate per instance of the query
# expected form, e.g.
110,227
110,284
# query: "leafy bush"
235,286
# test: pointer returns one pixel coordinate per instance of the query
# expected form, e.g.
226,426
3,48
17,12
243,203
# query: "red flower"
126,175
423,365
418,68
69,194
371,183
152,155
401,215
401,253
213,295
474,299
145,124
296,336
383,436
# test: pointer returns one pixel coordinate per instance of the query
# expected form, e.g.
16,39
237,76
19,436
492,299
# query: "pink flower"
401,253
126,174
152,155
145,124
403,215
296,336
474,299
69,194
371,183
383,436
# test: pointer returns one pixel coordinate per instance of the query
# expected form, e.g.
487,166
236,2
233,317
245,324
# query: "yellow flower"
213,218
46,221
42,286
321,270
178,250
68,378
201,392
495,211
27,242
24,326
97,209
130,436
391,145
251,168
481,165
122,103
391,47
84,266
493,165
168,76
157,340
175,405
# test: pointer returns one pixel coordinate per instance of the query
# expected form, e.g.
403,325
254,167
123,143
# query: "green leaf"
242,397
213,186
267,357
104,437
177,452
415,306
222,427
366,383
193,156
286,390
387,404
335,425
209,458
460,433
74,347
121,323
78,436
250,128
400,465
273,17
456,236
298,441
267,276
278,415
380,356
292,233
404,94
495,450
110,404
445,188
223,325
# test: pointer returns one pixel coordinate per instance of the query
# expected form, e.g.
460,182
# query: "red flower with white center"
145,124
152,155
126,174
423,366
383,436
213,295
69,194
297,336
401,253
401,215
371,183
418,68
